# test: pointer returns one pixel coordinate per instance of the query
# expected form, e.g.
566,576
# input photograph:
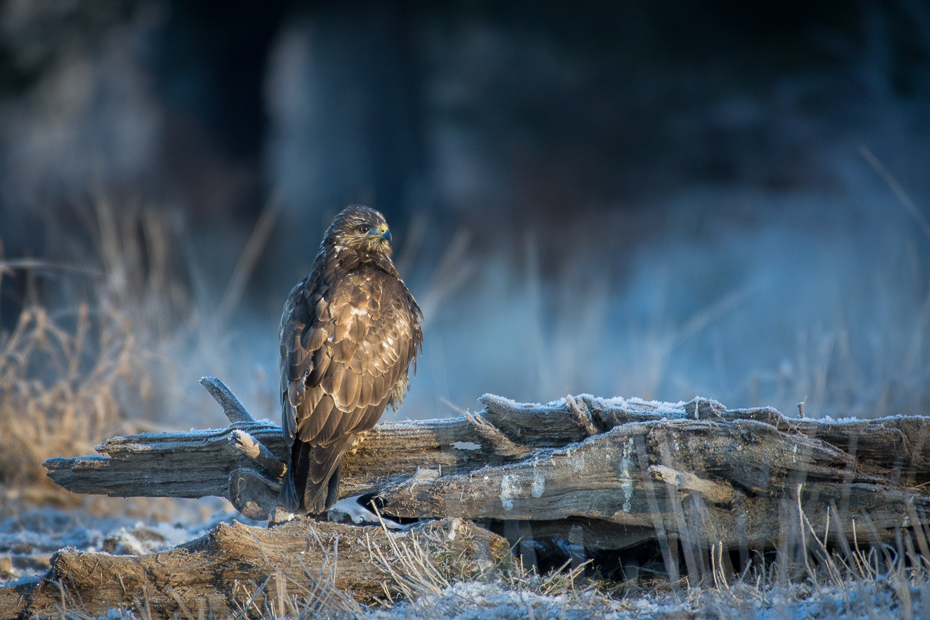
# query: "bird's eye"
364,229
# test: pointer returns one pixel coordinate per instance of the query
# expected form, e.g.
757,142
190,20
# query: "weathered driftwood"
600,474
632,470
257,572
210,462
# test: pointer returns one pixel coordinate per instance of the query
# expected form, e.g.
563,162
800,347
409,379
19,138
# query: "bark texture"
237,569
606,474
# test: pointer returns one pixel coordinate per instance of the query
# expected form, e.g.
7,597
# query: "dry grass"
803,579
807,577
98,364
106,364
854,582
59,390
871,581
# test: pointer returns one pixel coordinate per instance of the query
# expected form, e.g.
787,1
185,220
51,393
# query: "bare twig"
232,406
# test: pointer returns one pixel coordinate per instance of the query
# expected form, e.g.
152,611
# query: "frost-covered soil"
30,537
28,540
876,600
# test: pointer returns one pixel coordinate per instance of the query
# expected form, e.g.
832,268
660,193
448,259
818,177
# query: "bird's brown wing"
343,351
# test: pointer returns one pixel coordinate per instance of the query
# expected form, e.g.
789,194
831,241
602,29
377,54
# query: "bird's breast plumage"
345,346
349,333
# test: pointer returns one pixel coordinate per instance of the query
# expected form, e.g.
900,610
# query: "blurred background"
655,199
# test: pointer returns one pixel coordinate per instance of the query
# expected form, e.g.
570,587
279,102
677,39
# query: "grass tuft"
92,354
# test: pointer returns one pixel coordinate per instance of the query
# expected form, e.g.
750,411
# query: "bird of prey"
348,334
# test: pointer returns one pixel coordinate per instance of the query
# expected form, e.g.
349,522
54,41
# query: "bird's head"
363,230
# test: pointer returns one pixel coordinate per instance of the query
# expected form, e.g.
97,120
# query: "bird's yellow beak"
385,232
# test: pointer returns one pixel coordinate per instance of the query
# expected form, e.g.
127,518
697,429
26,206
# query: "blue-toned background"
653,199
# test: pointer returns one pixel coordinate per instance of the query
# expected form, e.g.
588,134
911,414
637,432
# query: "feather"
358,328
335,426
343,351
295,393
289,422
350,388
321,363
332,382
315,337
310,426
322,463
322,309
369,415
349,332
380,391
340,331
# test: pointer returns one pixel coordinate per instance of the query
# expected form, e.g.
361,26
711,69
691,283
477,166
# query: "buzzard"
348,334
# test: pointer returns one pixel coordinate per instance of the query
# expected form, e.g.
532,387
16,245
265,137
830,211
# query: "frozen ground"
28,540
474,601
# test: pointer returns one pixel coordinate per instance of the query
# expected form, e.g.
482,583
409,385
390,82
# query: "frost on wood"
627,470
604,474
243,571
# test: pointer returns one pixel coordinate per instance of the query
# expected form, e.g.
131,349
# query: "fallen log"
621,461
302,568
218,462
606,473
